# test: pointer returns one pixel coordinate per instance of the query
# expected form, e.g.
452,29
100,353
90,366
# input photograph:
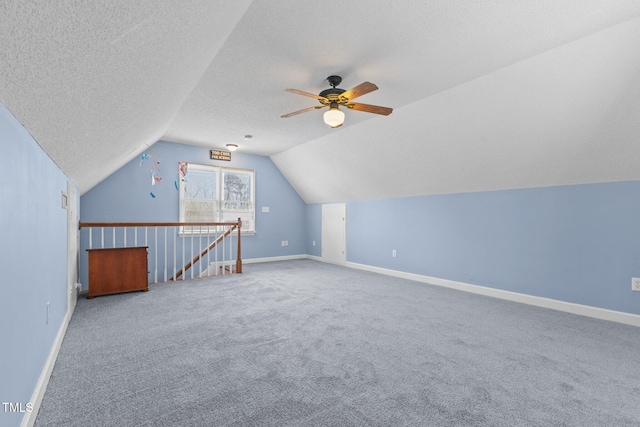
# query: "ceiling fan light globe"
334,117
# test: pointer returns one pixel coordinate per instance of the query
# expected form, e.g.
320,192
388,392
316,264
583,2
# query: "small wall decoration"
154,168
182,167
145,156
182,174
221,155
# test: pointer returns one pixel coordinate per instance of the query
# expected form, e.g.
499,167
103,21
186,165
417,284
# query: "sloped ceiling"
486,95
96,82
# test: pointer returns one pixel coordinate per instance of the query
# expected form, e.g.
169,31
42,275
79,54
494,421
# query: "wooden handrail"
204,252
156,224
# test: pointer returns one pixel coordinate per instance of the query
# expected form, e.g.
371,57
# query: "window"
217,194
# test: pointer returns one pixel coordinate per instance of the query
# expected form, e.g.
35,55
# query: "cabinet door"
117,270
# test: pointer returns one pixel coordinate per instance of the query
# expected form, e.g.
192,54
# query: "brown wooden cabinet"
116,270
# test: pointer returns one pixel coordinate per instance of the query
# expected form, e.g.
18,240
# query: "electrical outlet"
286,243
393,253
314,243
635,284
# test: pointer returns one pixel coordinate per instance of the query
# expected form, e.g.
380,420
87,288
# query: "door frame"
73,246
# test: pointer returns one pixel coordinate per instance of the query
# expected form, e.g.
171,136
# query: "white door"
334,224
72,246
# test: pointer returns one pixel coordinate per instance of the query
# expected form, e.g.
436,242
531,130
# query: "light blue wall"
313,226
570,243
33,256
125,197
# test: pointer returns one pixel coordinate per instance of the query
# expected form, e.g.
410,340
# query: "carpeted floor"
303,343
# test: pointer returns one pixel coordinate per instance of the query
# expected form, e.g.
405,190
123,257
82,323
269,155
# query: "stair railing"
203,249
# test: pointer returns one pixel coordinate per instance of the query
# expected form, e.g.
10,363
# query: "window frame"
219,172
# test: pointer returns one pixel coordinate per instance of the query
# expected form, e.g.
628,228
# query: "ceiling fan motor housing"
332,94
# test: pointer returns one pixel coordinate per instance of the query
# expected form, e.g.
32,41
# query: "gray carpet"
302,343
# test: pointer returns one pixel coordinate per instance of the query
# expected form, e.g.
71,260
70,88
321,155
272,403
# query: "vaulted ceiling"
486,95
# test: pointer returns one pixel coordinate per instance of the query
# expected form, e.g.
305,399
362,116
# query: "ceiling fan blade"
385,111
361,89
303,93
302,111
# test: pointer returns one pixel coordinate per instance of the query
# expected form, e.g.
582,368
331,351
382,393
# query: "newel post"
239,257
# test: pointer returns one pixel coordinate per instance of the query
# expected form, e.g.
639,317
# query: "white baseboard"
583,310
29,418
274,258
212,265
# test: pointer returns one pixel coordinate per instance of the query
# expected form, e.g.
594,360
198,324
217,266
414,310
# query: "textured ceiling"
486,95
95,82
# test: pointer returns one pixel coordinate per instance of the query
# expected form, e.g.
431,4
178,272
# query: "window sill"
204,233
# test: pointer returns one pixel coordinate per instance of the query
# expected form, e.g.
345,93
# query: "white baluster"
200,250
216,254
155,250
230,252
182,238
223,251
208,252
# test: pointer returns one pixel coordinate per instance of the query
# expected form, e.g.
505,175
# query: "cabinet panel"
116,270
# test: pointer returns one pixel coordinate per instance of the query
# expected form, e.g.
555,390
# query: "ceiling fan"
335,97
